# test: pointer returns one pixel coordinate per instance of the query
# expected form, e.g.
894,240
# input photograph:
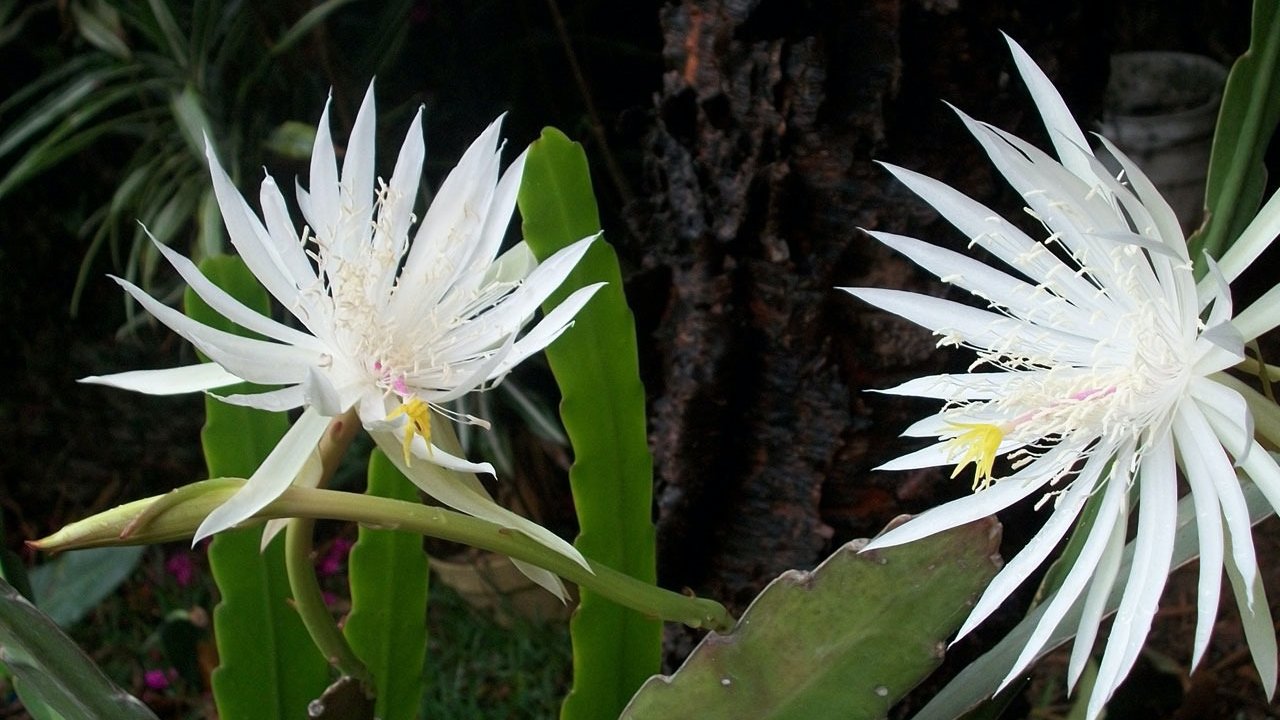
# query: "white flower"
1098,375
393,328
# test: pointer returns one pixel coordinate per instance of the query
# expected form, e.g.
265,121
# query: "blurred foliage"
150,80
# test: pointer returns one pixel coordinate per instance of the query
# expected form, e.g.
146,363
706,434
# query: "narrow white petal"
998,496
511,266
283,465
516,308
394,216
1095,602
1256,462
254,360
986,228
251,239
308,477
325,200
1259,629
1023,299
1208,532
1256,238
1200,441
358,162
465,494
967,386
545,579
286,398
1261,317
1077,578
318,392
1063,131
1168,229
286,239
500,211
170,381
1153,547
932,456
453,217
232,309
478,374
978,328
548,329
1033,555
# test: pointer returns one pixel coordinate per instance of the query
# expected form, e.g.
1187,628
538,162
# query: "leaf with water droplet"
846,640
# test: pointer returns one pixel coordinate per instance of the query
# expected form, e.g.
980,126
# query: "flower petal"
1033,555
253,360
283,465
465,494
1153,549
1100,537
998,496
170,381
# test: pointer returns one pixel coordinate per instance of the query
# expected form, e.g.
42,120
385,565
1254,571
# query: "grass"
477,669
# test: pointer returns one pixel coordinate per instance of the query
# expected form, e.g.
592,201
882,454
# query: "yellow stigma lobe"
976,443
419,414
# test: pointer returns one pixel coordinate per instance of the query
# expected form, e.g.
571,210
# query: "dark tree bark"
760,174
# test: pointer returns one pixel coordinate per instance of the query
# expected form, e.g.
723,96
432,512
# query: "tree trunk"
760,175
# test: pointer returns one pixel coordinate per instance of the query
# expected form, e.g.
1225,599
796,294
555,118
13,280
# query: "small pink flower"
181,567
156,679
332,561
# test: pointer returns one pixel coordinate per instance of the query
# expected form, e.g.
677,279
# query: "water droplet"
882,691
726,682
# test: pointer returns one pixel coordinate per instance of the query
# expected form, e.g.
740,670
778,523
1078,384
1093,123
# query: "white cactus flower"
1098,375
392,328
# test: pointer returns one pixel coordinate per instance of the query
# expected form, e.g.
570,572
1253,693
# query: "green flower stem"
448,525
307,597
309,601
179,520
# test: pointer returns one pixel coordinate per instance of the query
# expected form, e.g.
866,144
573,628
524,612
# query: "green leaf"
72,584
980,679
269,667
193,122
99,24
172,33
1246,121
50,670
595,363
305,24
844,641
387,627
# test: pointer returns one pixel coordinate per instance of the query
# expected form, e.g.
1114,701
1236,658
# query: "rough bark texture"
760,174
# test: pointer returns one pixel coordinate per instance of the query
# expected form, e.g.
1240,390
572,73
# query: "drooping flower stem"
178,520
440,523
309,601
307,597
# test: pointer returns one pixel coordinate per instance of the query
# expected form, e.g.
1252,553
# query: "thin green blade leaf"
269,669
387,626
72,584
52,671
844,641
305,24
1246,121
595,363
